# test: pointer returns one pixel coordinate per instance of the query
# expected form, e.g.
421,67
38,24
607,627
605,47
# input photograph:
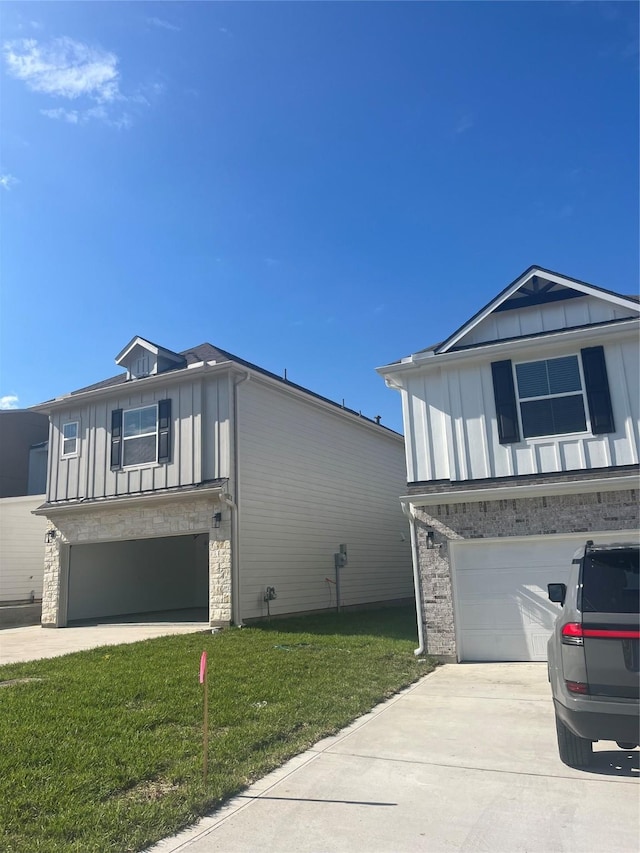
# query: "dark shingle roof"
207,352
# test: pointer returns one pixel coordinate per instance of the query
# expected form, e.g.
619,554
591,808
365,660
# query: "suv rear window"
610,581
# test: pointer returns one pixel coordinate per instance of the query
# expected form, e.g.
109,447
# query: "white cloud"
72,116
7,181
81,73
163,25
10,401
64,68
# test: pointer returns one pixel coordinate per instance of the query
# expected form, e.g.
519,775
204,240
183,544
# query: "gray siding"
311,479
199,440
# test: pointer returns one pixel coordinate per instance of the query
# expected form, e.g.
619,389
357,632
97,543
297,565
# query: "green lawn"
102,750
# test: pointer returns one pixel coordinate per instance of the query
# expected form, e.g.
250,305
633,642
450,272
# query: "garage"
502,612
141,576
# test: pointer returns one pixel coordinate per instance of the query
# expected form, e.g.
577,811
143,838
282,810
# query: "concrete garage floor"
465,760
34,642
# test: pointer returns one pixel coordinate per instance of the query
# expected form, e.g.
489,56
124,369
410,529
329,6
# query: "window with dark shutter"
597,387
116,438
164,430
551,397
505,400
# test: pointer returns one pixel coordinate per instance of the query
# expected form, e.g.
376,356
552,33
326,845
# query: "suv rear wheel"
574,751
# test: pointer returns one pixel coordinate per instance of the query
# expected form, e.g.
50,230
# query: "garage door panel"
502,608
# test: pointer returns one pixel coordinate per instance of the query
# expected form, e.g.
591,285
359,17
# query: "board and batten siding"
310,480
580,311
21,548
452,431
199,440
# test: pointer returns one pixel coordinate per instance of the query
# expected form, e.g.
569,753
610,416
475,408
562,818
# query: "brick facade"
137,521
550,514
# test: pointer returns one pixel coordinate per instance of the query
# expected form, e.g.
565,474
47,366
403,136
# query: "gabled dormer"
537,302
143,358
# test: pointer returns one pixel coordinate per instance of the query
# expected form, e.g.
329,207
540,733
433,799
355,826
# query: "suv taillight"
572,634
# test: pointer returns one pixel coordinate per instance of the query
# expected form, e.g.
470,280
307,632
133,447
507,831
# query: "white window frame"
520,400
133,437
76,447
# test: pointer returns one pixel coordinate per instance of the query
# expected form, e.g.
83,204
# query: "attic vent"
141,367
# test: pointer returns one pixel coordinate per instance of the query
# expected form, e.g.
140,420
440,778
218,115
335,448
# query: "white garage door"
500,593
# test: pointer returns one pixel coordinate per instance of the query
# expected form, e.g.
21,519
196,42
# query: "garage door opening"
152,580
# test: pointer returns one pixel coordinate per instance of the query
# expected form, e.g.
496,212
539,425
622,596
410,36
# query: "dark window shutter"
164,430
597,388
505,399
116,438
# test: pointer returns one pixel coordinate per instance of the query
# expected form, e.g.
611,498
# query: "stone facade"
153,518
551,514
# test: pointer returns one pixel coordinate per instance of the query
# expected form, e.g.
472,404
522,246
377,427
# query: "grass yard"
102,750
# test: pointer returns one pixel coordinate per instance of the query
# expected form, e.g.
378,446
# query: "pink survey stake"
203,666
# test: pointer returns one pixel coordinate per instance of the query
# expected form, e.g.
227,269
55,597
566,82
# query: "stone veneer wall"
131,521
579,513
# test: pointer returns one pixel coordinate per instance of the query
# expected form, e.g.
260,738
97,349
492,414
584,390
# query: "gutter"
407,509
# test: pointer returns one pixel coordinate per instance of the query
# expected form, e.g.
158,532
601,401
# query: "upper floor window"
140,435
70,439
551,397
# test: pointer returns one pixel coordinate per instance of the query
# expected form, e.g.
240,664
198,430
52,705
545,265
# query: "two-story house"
199,480
522,438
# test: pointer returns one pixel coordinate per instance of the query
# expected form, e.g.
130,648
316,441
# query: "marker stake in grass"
205,728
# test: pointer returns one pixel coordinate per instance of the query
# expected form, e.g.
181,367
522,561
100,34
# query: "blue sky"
321,187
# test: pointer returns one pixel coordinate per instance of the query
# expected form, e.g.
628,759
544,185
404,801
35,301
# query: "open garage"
500,593
139,576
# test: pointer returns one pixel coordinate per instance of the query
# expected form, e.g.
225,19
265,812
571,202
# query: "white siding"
21,548
579,311
200,444
309,481
452,431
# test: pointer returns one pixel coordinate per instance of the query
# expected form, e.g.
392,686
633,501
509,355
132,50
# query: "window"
70,439
140,435
550,397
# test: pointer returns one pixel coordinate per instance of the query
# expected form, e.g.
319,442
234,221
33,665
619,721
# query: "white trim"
76,451
586,289
524,490
573,337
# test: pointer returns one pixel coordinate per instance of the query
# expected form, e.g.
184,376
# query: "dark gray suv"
593,652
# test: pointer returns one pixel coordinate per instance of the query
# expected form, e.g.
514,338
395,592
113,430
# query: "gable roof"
535,286
156,349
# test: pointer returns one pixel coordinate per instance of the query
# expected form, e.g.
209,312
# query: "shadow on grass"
397,623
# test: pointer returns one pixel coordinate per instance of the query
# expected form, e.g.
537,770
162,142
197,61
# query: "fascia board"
500,348
573,284
137,341
522,490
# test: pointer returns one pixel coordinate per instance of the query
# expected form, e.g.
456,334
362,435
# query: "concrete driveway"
33,642
464,760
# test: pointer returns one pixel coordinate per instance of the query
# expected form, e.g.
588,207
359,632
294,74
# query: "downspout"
236,615
407,509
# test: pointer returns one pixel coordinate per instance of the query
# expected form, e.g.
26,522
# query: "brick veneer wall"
163,518
579,513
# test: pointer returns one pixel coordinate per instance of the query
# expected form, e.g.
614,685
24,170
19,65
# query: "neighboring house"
23,472
197,479
522,439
